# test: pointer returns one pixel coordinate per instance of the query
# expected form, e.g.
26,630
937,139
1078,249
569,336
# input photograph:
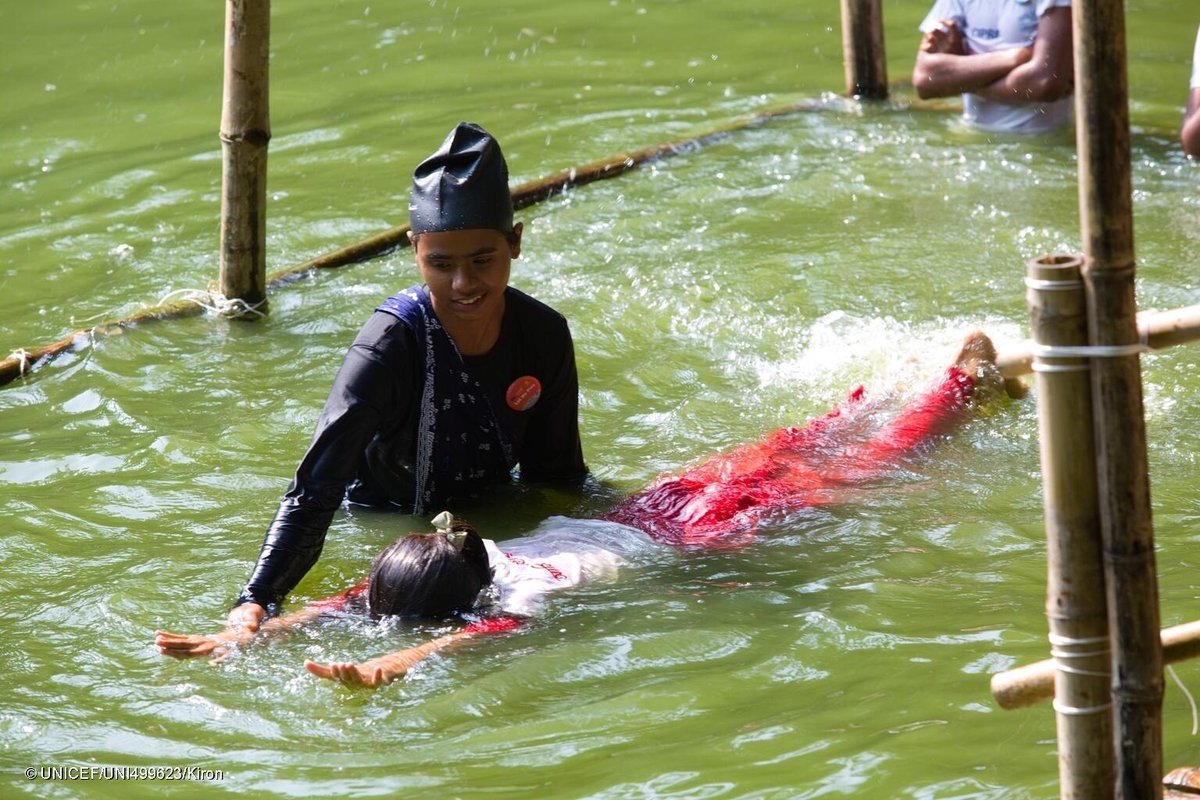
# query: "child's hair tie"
444,524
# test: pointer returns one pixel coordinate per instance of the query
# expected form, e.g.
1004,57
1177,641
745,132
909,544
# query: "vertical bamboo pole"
245,131
1075,599
862,49
1106,217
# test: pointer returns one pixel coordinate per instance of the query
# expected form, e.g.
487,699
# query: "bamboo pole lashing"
1158,330
1075,600
1033,683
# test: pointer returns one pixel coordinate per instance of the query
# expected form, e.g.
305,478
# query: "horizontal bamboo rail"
1158,329
1034,683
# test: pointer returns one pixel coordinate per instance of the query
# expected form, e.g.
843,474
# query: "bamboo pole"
1075,600
245,132
1034,683
1106,216
862,49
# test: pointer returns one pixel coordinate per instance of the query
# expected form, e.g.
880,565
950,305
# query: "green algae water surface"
713,296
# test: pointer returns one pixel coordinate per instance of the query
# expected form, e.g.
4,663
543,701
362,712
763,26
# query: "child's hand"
370,674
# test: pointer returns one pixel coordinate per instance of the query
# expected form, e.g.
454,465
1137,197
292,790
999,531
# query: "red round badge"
523,393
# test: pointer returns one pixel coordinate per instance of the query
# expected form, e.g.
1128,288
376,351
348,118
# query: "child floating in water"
718,503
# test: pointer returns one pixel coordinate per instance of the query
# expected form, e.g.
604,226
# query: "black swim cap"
463,185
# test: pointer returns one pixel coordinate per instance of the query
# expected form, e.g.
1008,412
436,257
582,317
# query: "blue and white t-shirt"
991,25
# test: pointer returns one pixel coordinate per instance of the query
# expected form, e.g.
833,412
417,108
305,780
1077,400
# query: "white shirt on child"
562,553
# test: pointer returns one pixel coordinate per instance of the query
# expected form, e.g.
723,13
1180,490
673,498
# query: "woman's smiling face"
467,272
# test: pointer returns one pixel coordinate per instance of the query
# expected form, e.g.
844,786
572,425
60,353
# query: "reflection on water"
713,296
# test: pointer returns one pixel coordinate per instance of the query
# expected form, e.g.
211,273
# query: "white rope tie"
1043,351
1040,366
22,356
1090,351
1053,286
217,303
1061,656
1072,711
1188,695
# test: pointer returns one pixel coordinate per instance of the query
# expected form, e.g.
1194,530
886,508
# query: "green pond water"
713,297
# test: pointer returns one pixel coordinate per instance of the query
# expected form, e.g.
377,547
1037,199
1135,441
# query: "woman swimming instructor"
448,386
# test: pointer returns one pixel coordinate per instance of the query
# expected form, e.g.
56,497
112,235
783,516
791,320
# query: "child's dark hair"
427,575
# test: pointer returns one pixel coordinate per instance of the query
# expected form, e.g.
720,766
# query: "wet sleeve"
552,450
365,392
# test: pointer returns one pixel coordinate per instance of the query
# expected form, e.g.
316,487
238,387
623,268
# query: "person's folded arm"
944,68
1049,74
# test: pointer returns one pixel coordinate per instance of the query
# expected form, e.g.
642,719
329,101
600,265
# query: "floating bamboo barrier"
1075,599
1034,683
245,132
1106,217
862,49
22,360
535,191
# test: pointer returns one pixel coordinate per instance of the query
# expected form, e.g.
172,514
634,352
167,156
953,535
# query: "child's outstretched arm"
219,645
385,669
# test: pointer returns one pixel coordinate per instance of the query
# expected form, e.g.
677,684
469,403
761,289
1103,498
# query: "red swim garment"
720,501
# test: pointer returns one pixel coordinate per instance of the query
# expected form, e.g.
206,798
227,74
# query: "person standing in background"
1010,59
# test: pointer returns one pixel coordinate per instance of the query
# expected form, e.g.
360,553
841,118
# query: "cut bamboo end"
1182,782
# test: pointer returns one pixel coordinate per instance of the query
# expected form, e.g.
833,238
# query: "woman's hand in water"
371,673
195,645
248,616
